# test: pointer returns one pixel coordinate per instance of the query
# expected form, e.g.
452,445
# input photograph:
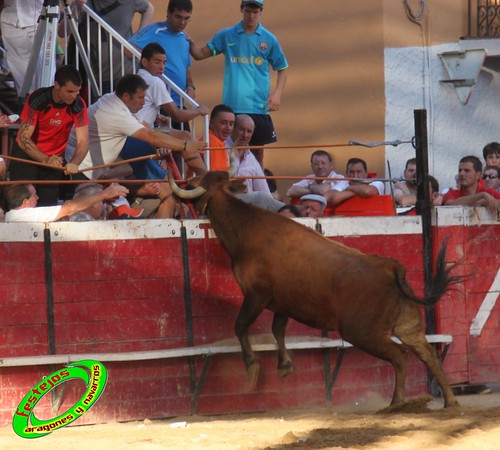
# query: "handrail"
214,348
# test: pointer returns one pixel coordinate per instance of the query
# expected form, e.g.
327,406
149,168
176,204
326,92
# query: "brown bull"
295,272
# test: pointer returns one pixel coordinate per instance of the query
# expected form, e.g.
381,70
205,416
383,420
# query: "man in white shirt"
113,118
357,168
22,201
248,166
158,101
322,167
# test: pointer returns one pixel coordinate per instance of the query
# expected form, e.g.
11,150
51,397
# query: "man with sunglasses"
470,192
491,177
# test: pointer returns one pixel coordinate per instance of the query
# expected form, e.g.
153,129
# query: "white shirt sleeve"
156,96
304,182
249,167
39,214
380,186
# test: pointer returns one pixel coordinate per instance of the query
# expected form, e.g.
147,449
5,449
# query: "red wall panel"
128,295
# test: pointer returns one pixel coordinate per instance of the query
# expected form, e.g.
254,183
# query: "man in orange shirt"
220,128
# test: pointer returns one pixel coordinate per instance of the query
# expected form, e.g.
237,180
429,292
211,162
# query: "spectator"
249,50
21,200
96,211
357,168
153,60
3,176
59,54
47,120
170,35
3,169
491,154
470,192
119,15
290,211
112,119
273,187
220,128
157,98
322,167
155,199
312,205
261,199
405,192
4,120
436,197
491,177
247,164
19,21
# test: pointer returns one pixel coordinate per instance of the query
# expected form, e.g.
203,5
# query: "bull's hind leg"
248,314
384,348
424,351
285,366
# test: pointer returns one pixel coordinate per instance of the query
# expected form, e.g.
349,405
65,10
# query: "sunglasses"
491,176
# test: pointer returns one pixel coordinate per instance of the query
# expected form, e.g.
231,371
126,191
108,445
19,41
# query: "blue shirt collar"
240,29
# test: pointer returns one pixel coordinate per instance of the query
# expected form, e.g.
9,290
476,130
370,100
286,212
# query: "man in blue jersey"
170,35
249,51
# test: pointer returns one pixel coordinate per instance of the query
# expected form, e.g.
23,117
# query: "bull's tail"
442,281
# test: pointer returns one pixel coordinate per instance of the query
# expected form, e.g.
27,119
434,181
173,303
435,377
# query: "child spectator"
491,154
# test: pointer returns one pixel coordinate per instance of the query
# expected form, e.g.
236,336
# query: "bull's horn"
233,166
182,193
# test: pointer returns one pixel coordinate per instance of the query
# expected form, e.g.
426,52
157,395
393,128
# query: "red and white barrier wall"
118,287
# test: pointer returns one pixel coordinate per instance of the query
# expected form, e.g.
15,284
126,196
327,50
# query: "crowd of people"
68,149
475,185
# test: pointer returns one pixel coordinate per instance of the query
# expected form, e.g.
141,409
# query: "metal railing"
109,62
484,19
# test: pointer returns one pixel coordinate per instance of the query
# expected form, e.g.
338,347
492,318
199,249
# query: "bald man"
248,166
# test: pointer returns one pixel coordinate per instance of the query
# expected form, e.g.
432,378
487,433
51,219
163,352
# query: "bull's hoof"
452,403
252,376
414,405
285,369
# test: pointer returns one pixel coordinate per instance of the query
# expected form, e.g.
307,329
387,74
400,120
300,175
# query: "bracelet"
185,144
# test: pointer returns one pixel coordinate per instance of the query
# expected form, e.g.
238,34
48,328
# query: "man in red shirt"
46,122
471,193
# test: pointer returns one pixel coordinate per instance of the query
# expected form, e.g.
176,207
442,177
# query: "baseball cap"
314,197
253,2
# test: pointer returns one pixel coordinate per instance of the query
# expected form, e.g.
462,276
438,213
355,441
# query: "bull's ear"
181,193
237,186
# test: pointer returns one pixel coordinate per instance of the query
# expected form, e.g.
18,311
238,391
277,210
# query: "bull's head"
204,185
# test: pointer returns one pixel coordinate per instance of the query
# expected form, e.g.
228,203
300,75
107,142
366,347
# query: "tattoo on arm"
28,145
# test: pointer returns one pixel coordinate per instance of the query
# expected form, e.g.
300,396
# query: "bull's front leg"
249,312
285,366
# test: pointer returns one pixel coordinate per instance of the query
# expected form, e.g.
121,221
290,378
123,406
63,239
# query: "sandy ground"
475,425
